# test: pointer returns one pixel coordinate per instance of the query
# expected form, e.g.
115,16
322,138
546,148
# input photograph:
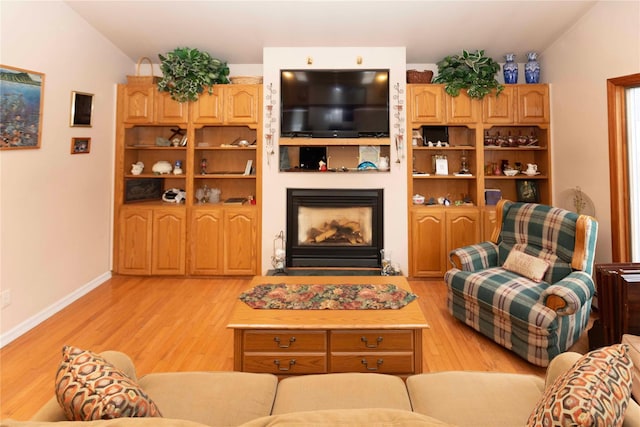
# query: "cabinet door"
427,104
169,233
137,104
463,228
168,111
208,109
239,251
462,108
533,103
428,242
499,108
242,103
205,237
134,241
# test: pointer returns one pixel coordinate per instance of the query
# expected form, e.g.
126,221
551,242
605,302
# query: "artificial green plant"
471,71
187,71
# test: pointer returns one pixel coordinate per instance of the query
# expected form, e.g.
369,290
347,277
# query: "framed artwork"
527,191
143,189
21,107
80,145
81,109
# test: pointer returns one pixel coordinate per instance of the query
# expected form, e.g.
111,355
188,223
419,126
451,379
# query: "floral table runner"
323,297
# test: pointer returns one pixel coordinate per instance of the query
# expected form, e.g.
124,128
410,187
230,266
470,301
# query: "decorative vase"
510,69
532,68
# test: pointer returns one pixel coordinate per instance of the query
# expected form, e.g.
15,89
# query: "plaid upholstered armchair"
530,288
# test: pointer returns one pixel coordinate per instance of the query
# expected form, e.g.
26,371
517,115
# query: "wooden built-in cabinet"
152,240
158,237
519,112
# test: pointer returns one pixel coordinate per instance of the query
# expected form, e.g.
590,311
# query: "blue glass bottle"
510,69
532,68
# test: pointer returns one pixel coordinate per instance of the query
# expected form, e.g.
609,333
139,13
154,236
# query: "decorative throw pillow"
526,265
594,392
90,388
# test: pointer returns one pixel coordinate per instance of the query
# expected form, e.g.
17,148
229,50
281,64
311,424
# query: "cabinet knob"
287,368
366,364
366,342
291,341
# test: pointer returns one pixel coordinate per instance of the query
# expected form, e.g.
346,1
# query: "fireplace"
334,227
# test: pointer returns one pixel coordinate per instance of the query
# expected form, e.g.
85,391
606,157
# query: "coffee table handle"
378,363
291,341
366,342
280,368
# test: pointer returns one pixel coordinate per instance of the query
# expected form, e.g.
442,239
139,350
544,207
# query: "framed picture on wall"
21,108
80,145
81,109
527,191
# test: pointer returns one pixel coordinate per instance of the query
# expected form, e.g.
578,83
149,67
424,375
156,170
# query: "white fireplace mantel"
394,182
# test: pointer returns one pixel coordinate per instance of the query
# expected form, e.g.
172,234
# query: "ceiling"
237,31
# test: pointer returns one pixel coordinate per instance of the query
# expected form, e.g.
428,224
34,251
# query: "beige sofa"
355,399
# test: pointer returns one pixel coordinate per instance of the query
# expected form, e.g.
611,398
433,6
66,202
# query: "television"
334,103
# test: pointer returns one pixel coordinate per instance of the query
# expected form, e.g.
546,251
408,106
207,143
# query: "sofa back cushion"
543,231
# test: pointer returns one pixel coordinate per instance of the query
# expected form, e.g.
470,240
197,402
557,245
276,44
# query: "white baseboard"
40,317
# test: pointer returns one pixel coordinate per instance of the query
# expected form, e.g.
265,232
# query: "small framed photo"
442,167
527,191
81,109
80,145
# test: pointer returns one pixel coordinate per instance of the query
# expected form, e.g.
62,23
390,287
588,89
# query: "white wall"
394,182
55,208
605,43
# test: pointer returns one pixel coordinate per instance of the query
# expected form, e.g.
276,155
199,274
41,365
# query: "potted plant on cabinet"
471,71
187,71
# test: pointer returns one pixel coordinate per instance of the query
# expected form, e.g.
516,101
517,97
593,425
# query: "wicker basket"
246,80
143,80
415,76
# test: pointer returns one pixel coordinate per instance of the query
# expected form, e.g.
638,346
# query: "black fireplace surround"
356,250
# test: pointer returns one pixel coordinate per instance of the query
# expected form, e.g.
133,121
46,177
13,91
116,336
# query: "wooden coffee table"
292,342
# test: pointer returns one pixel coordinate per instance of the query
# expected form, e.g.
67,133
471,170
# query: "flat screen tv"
334,103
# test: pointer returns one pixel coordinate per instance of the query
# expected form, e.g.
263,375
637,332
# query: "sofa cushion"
526,265
633,341
595,392
340,391
369,417
474,398
116,422
212,398
90,388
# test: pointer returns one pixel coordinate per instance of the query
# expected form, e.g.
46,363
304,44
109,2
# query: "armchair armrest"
569,294
475,257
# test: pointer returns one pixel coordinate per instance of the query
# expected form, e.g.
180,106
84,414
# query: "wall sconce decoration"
398,115
269,122
279,254
81,109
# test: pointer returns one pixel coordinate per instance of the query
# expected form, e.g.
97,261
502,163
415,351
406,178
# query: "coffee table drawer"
285,341
285,364
386,363
374,340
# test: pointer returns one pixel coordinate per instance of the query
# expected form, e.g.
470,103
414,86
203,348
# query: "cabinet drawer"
378,340
285,341
388,363
285,364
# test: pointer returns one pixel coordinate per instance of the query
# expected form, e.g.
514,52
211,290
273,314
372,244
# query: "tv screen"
334,103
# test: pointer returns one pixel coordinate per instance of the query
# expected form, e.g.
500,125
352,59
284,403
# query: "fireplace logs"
337,231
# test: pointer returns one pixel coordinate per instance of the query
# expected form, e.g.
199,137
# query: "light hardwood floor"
177,324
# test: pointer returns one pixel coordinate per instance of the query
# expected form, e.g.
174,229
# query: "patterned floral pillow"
595,392
90,388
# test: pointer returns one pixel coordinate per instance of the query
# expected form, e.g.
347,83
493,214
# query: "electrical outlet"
5,297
